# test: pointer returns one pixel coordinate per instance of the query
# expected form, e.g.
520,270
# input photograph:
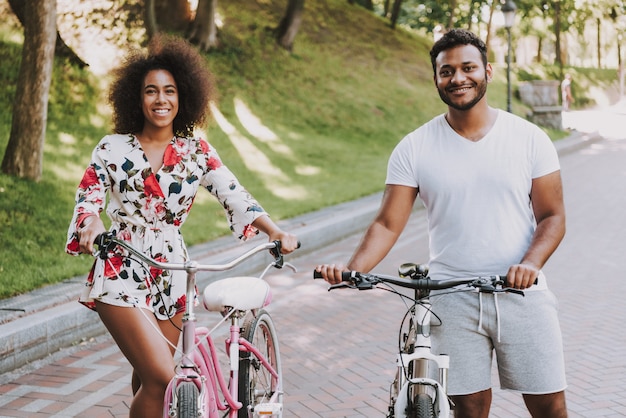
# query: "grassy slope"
332,111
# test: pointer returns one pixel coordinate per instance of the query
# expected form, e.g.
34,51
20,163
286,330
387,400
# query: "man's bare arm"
547,201
380,236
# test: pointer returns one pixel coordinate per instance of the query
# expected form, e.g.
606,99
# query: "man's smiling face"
461,77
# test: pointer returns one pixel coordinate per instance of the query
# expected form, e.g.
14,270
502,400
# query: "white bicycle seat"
241,293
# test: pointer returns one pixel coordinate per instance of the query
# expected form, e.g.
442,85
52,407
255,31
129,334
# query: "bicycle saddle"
241,293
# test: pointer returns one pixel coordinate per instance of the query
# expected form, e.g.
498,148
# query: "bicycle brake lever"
278,256
511,290
104,243
291,266
340,285
493,289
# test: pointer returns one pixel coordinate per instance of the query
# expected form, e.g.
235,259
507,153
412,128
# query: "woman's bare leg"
171,330
147,352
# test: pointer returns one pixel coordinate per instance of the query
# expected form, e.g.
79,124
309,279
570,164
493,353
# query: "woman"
150,169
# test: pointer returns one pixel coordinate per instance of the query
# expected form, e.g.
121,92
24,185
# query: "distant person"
148,173
491,185
566,92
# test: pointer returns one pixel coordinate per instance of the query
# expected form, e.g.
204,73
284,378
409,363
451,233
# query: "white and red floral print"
147,209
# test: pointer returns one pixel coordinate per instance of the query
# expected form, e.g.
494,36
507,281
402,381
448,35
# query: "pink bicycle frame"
199,363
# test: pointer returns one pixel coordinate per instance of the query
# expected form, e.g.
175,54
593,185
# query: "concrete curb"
41,322
37,324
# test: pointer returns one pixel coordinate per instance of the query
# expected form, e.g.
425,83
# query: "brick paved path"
338,348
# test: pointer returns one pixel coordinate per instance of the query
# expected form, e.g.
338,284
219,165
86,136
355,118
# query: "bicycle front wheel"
187,400
256,383
422,407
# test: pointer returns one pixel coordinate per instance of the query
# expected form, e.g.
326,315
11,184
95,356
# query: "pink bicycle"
255,387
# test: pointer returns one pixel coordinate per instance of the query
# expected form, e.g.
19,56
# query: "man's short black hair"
454,38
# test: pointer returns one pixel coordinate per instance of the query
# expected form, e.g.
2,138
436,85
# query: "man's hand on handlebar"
522,276
331,272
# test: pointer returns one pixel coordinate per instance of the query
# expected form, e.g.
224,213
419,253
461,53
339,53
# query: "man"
490,182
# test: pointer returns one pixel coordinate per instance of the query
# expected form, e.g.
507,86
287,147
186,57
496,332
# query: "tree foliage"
545,20
128,23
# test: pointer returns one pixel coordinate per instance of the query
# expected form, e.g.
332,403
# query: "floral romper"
147,209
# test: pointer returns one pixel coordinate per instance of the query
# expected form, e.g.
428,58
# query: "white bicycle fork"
422,359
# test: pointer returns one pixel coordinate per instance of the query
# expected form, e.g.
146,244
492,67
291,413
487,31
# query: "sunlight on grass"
257,129
256,161
68,170
67,139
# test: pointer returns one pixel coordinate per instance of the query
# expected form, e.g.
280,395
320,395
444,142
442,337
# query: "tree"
395,13
203,31
557,34
24,153
290,24
368,4
451,14
61,49
492,9
173,15
150,19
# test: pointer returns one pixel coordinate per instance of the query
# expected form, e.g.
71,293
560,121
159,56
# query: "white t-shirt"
477,194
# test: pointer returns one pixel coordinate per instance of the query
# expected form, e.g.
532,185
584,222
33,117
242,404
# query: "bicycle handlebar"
420,281
107,241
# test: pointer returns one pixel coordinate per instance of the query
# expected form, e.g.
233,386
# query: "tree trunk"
150,19
470,20
395,12
290,24
492,9
599,45
367,4
203,31
24,153
172,15
451,16
61,49
386,9
557,33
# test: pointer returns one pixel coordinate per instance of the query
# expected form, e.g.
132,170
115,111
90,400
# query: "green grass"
332,111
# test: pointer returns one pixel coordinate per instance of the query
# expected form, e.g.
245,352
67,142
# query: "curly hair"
454,38
193,80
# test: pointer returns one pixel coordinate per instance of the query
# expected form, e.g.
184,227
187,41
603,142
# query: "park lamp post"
508,10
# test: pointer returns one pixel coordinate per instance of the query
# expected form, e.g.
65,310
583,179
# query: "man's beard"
481,90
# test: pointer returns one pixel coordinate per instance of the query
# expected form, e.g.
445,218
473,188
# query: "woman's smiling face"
159,99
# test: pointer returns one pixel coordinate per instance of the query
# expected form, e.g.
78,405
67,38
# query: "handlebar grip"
105,244
506,279
346,276
276,251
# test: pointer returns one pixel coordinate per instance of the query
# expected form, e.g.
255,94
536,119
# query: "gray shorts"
523,332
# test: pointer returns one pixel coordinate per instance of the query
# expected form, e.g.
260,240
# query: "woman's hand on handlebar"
331,272
288,242
91,227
